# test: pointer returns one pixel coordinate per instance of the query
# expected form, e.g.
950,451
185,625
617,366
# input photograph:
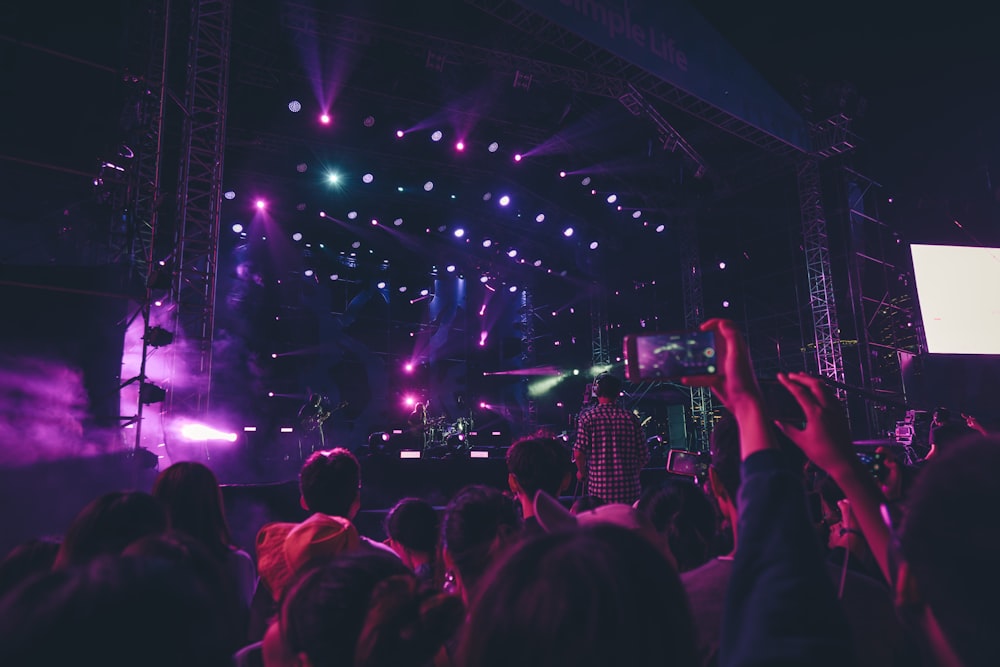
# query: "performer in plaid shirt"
610,448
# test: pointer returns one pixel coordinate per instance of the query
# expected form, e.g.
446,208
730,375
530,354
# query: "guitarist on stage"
311,418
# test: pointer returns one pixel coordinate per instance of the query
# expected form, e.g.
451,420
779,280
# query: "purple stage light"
325,119
504,200
399,134
482,311
238,228
322,214
450,268
408,367
725,304
374,222
409,401
381,284
487,243
540,217
460,146
202,432
593,245
297,236
493,147
517,157
436,135
722,265
612,198
562,174
295,106
157,303
459,233
260,204
274,355
568,232
482,339
512,289
512,253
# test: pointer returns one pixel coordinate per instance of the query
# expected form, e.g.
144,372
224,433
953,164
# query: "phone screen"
684,462
665,356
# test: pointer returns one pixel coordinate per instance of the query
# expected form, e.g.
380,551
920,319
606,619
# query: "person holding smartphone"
610,448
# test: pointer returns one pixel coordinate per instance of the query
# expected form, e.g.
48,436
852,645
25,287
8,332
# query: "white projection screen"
959,292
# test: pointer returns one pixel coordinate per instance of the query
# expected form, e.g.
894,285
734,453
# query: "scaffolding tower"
199,199
694,314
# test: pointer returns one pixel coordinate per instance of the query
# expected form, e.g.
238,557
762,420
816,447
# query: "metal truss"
601,61
636,103
600,333
822,298
199,198
527,322
702,411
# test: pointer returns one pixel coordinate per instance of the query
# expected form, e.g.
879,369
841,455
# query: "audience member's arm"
580,449
780,606
826,440
974,424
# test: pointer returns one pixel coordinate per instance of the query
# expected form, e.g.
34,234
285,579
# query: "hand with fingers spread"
735,385
974,424
826,438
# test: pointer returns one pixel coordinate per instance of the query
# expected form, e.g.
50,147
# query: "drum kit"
439,432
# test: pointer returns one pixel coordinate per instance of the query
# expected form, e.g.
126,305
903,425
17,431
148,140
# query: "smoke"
43,412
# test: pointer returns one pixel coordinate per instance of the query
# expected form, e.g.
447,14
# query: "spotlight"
424,292
517,157
309,273
612,198
374,222
322,214
334,276
260,204
351,215
301,167
238,228
568,232
399,134
270,394
149,393
381,284
297,236
504,200
562,174
660,228
356,245
585,181
436,135
459,233
158,337
482,339
722,265
512,253
295,106
636,214
229,194
333,178
157,303
369,121
593,245
402,290
408,367
725,304
460,146
537,262
512,289
409,401
450,268
428,186
487,243
325,118
367,178
482,311
487,196
484,279
274,355
397,222
202,432
493,147
540,217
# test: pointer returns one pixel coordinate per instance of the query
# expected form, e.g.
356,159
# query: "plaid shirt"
611,438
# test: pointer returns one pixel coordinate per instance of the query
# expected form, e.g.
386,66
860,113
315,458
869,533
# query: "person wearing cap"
610,448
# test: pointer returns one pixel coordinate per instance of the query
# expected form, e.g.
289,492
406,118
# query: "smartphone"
690,464
670,356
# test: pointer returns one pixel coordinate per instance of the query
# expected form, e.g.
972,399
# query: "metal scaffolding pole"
600,343
527,322
694,314
822,298
199,198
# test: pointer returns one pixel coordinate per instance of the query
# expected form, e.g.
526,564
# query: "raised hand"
826,438
735,384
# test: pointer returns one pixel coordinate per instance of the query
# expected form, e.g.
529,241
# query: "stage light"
249,429
399,134
260,204
660,228
367,178
540,217
158,337
229,194
202,432
381,284
270,394
585,181
484,279
484,405
149,393
397,222
493,147
459,233
369,121
460,146
295,106
436,135
374,222
568,232
482,311
612,198
325,118
402,289
301,167
408,367
487,196
487,243
482,338
157,303
238,228
537,262
428,186
512,253
334,276
297,236
309,273
636,214
351,215
512,289
322,214
274,355
517,157
593,245
424,292
504,200
450,268
409,401
722,265
562,174
333,178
